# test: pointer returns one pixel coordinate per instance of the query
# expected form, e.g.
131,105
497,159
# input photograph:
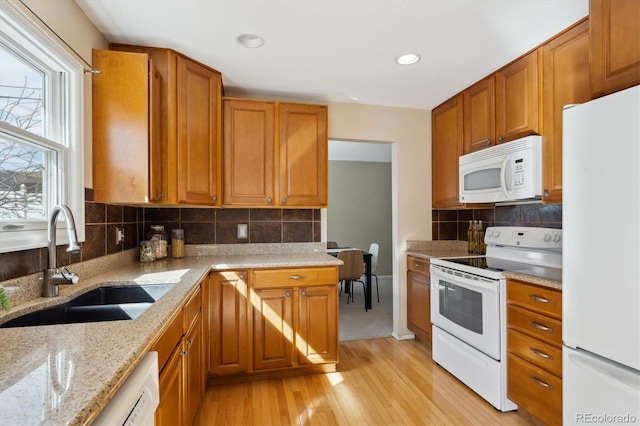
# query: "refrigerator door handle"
610,375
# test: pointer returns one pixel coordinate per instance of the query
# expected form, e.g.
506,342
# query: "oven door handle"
491,286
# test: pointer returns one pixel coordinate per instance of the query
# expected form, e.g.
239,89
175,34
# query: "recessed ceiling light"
408,59
250,40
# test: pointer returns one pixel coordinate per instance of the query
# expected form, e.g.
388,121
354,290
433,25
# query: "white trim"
409,336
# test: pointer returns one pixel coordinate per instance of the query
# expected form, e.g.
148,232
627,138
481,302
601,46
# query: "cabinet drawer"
539,299
191,309
535,390
532,324
169,339
294,277
535,351
419,266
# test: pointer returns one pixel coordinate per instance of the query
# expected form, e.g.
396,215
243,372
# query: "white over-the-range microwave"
510,171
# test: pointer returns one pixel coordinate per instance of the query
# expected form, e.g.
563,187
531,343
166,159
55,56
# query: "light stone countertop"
65,374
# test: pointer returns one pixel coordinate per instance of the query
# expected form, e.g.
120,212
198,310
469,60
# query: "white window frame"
17,23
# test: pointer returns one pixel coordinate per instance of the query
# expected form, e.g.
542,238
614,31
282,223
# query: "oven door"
467,307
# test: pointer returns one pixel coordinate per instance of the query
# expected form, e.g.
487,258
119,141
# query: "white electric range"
468,305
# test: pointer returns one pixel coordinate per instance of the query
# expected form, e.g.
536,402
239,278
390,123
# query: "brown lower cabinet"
419,298
264,320
534,350
180,360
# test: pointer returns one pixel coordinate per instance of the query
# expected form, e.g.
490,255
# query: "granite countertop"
65,374
546,277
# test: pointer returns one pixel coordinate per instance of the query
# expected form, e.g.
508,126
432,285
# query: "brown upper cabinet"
447,141
565,77
188,128
127,150
615,45
275,154
249,152
517,99
480,115
199,153
504,106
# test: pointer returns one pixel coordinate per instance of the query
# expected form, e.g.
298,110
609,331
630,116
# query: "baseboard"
407,336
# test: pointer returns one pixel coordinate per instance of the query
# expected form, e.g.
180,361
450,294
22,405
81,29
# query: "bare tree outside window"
22,165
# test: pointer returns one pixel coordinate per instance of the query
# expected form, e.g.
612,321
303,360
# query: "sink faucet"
53,277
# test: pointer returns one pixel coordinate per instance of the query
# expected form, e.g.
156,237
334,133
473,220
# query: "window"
41,155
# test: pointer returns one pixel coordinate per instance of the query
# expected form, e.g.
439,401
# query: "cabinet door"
228,322
249,157
272,328
615,45
126,140
480,115
317,332
565,80
170,411
303,146
199,101
517,103
194,386
446,122
419,305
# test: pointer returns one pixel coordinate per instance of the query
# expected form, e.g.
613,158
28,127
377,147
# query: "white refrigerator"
601,260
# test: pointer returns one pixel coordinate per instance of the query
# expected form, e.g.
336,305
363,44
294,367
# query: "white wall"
410,132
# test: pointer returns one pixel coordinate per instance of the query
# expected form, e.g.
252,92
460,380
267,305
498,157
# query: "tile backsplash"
201,226
453,224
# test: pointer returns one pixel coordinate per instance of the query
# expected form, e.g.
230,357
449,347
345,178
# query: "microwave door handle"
503,176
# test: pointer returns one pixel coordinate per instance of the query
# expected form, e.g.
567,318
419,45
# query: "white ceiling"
342,50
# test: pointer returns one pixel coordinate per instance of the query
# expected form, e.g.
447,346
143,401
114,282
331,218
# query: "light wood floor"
379,382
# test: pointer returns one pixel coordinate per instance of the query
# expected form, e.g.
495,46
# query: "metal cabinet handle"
241,276
189,342
288,294
297,277
284,200
214,198
541,383
500,138
269,200
540,326
539,298
304,292
419,265
540,354
546,193
184,353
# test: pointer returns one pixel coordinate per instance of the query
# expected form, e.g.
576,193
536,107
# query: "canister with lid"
177,243
159,239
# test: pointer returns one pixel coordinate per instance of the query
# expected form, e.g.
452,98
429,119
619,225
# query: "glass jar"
147,251
159,239
177,243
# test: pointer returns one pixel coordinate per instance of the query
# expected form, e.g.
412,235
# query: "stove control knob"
496,234
556,238
489,234
547,237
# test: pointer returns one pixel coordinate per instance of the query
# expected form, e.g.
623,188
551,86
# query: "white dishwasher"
136,401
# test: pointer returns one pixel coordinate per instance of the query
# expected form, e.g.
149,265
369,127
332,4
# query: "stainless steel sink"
100,304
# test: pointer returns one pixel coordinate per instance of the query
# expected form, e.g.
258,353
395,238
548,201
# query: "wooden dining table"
367,271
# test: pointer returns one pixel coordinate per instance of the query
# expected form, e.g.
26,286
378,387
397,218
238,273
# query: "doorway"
360,213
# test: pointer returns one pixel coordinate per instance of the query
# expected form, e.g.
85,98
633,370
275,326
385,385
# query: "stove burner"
476,262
